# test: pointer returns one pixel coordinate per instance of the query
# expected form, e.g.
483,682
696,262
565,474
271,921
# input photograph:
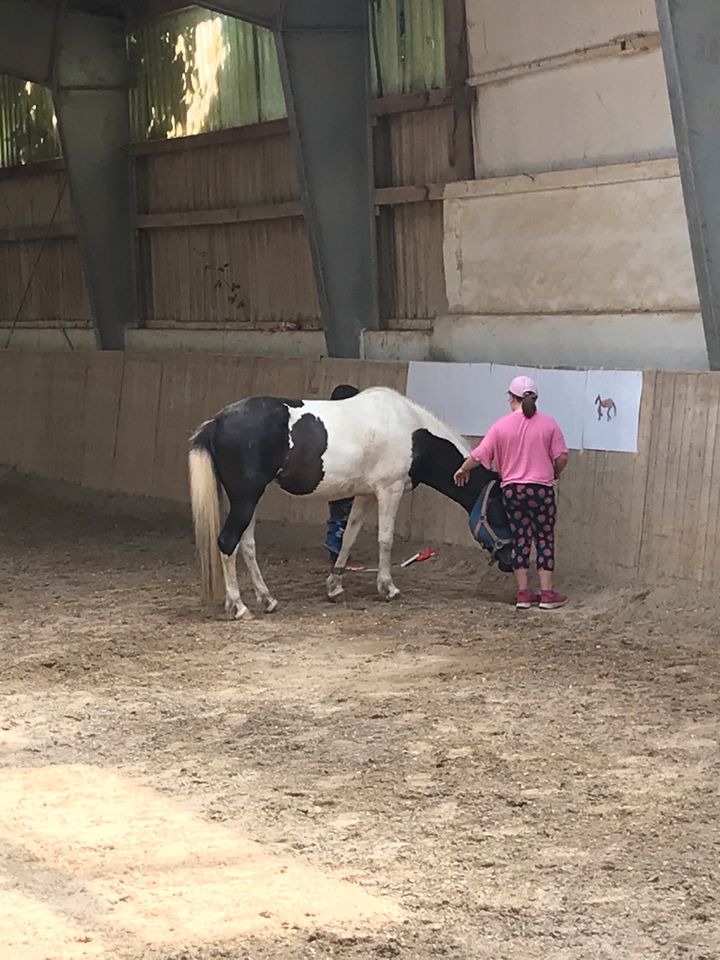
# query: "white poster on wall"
466,395
611,411
596,409
454,392
425,385
561,395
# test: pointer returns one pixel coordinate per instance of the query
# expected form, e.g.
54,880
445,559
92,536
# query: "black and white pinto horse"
374,447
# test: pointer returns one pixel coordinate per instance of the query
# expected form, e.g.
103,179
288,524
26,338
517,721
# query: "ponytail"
528,404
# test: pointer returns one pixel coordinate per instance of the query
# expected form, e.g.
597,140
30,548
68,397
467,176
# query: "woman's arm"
484,453
559,464
462,474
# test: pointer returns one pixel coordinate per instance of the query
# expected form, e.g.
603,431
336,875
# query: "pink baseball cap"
522,386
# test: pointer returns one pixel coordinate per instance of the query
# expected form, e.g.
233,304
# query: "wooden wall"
221,240
120,423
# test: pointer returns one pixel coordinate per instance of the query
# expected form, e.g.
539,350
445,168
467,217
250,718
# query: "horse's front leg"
357,516
388,504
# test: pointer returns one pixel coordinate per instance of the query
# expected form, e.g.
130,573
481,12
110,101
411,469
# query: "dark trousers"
531,512
336,524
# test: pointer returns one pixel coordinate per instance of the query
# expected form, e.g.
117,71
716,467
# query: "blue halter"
491,536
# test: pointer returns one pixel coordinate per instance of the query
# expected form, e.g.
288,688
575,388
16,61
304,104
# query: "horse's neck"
435,460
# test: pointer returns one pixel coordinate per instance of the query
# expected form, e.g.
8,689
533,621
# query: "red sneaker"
526,599
550,600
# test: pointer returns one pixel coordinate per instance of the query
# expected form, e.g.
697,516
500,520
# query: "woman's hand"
461,476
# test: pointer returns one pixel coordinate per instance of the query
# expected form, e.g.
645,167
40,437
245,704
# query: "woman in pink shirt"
529,452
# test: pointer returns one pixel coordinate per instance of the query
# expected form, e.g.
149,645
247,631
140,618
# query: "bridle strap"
482,522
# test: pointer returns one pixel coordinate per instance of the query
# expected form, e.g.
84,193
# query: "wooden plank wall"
120,423
222,243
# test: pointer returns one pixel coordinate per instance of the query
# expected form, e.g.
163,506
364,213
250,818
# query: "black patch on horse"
249,444
434,462
303,470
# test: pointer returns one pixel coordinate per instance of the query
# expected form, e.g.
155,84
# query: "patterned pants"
530,511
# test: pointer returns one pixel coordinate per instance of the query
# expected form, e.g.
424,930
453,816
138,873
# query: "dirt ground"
439,777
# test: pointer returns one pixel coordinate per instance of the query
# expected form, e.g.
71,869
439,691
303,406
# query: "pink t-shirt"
522,450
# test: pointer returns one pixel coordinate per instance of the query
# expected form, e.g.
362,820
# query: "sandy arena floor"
440,777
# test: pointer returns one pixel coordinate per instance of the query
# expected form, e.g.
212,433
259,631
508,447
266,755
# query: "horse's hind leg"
388,505
358,513
238,519
247,547
233,601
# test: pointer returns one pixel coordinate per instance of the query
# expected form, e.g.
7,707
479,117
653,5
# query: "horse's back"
328,448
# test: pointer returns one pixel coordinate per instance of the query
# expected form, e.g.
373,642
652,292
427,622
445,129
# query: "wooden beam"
250,131
384,197
202,218
38,232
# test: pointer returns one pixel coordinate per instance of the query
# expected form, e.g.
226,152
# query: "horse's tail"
205,500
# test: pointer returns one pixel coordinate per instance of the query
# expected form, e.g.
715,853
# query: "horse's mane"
430,420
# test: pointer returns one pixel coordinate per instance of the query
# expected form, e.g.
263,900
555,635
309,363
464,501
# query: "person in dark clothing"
339,509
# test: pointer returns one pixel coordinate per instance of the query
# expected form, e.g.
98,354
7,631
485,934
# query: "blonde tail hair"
206,520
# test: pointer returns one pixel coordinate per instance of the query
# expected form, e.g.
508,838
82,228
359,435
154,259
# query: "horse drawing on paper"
373,447
608,405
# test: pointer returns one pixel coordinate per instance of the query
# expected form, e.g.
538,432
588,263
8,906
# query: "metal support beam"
90,88
27,39
83,58
690,31
324,61
265,13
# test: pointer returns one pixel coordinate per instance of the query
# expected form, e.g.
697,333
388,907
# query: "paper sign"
611,410
454,392
561,395
596,409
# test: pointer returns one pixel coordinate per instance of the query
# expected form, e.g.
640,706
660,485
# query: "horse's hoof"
269,604
237,610
337,593
389,593
334,586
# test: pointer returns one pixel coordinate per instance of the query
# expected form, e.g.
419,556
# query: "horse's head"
598,400
435,460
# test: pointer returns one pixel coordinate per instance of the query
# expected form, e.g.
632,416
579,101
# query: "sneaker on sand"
526,599
550,600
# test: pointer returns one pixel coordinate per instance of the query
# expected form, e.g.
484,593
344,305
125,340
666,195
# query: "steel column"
27,39
83,57
324,61
690,31
90,88
265,13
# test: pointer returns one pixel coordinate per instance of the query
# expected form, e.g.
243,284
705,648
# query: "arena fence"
120,422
